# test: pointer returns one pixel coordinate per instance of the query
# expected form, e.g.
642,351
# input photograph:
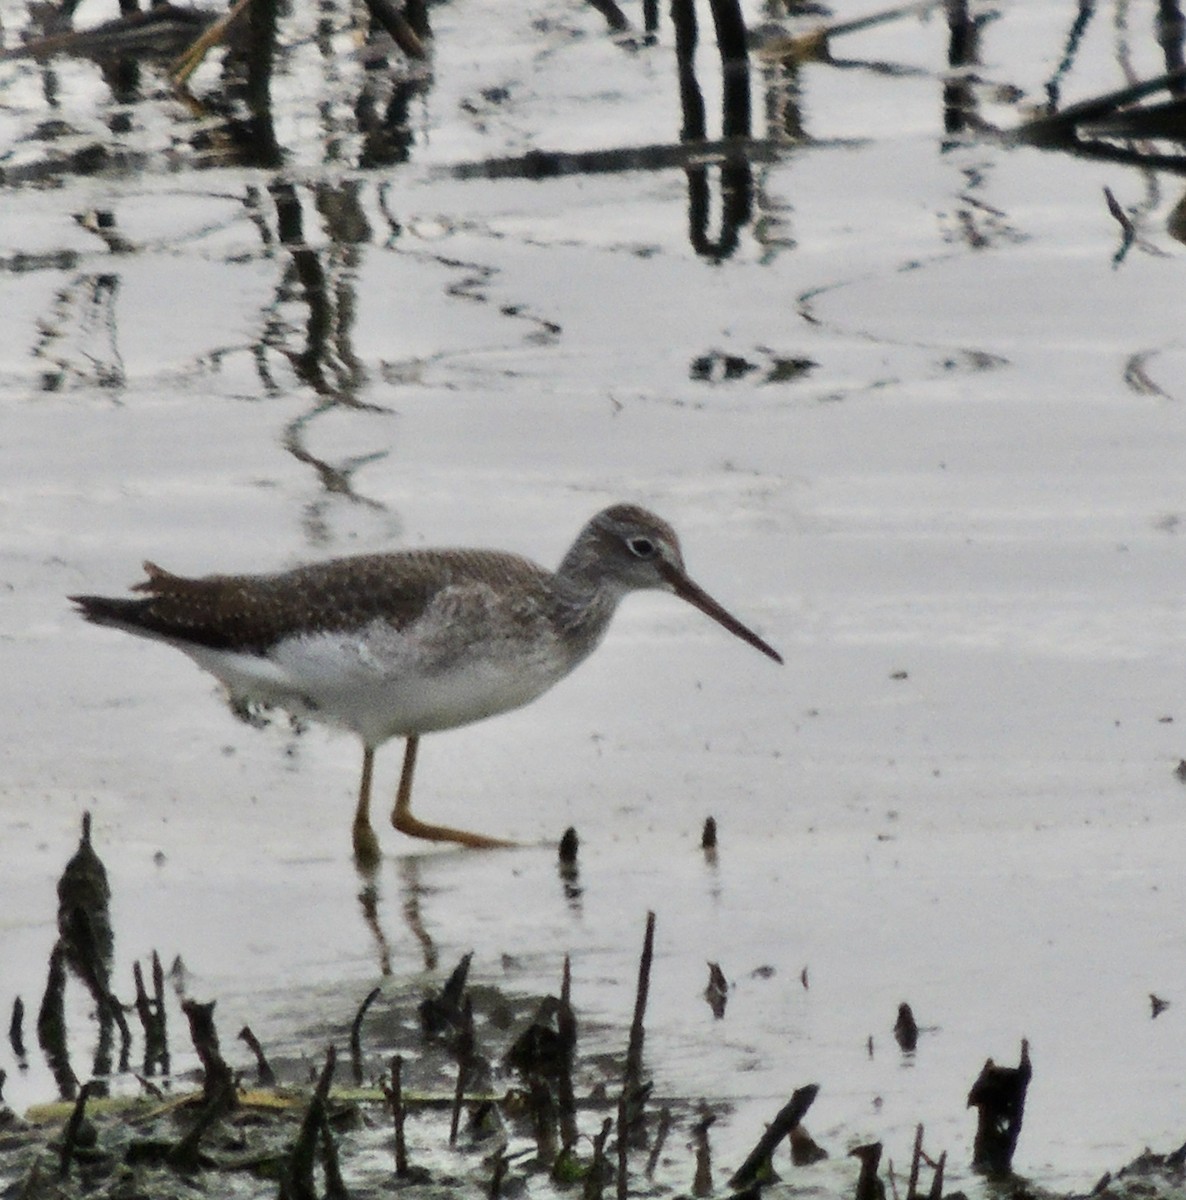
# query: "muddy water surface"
914,409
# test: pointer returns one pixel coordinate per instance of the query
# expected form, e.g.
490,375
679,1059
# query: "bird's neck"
584,606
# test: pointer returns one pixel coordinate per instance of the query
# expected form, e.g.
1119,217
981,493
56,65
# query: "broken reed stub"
998,1095
757,1164
708,836
906,1029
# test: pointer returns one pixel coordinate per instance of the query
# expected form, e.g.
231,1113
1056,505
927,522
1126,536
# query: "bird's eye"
641,547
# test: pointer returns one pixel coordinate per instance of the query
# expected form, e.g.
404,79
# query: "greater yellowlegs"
398,645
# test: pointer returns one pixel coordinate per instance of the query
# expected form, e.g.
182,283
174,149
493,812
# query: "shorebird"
403,644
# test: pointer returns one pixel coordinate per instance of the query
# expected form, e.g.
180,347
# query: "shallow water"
918,428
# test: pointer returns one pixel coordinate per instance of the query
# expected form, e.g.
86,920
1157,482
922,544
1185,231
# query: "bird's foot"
413,827
366,847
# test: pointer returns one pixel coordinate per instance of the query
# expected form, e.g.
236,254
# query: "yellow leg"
402,819
366,844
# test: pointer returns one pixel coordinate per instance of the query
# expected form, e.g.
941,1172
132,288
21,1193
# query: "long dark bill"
695,595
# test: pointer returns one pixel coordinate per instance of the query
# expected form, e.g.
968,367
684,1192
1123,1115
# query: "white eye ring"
641,547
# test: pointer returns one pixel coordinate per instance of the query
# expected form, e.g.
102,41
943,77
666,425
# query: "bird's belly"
340,680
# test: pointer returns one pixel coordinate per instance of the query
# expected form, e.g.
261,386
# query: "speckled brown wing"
250,613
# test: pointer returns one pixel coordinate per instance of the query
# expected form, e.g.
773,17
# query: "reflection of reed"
1119,114
51,1026
158,33
385,124
242,131
683,17
248,73
89,353
326,362
963,51
736,175
1084,128
569,870
732,154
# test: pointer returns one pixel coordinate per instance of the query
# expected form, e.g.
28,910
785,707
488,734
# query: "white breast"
380,683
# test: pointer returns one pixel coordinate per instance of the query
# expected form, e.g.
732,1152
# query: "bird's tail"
107,610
